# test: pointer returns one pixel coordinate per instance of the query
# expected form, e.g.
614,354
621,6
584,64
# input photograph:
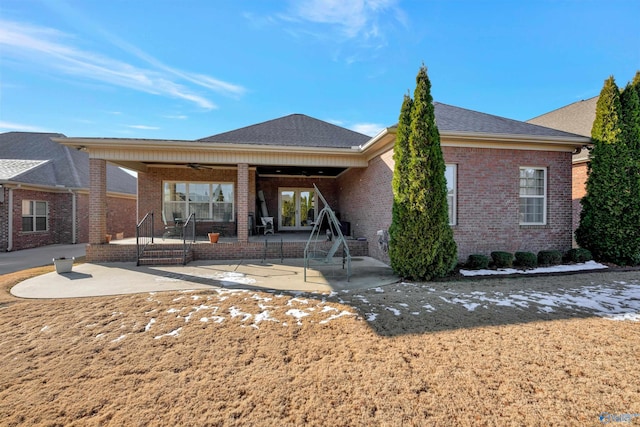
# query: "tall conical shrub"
602,229
421,240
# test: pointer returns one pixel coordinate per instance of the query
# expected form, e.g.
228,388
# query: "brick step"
162,253
164,257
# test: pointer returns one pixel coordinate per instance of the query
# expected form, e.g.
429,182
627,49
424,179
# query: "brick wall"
487,200
59,225
150,191
221,251
271,185
365,199
579,189
4,219
121,212
121,216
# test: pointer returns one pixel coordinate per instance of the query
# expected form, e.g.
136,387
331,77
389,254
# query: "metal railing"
144,235
188,236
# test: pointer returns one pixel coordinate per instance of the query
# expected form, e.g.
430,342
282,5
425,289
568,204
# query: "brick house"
575,118
509,181
44,193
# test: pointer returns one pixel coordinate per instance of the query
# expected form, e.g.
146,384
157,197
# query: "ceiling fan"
197,166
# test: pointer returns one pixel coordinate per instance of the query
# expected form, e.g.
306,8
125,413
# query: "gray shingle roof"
293,130
11,168
456,119
60,165
575,118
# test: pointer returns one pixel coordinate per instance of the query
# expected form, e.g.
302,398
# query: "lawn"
544,350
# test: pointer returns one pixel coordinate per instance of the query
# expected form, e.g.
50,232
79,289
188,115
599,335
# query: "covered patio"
227,183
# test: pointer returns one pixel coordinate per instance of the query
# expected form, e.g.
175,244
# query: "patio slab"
89,279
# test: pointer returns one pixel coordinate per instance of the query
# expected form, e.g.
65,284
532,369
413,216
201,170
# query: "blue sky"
189,69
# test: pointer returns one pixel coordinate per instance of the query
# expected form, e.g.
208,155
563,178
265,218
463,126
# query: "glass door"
297,208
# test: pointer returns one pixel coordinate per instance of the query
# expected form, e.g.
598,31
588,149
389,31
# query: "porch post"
97,201
242,211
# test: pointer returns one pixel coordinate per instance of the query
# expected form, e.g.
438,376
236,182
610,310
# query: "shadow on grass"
417,308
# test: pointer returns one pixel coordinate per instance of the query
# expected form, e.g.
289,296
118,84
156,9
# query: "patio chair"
172,230
267,223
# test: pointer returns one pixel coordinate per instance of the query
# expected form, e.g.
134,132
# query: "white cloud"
19,127
176,117
143,127
352,18
54,51
370,129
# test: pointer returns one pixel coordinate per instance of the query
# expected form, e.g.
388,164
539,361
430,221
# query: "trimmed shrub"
502,259
477,262
579,255
549,257
526,259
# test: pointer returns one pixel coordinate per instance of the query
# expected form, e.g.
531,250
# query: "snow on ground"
589,265
614,300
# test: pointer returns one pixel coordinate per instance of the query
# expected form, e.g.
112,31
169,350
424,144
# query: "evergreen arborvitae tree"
421,240
606,203
399,182
630,136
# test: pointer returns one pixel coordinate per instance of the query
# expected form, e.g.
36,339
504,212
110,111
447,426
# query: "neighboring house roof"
456,119
33,158
292,130
11,168
575,118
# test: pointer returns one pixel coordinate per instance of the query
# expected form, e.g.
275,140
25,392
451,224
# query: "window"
212,201
533,196
35,215
450,175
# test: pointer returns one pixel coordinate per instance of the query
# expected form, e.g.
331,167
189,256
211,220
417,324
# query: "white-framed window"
452,185
533,196
35,215
208,200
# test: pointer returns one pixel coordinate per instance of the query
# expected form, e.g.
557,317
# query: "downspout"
10,221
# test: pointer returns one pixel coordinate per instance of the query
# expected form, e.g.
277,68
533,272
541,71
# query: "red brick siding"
365,199
242,199
59,224
121,216
270,186
487,200
150,194
579,189
220,251
82,218
97,200
4,219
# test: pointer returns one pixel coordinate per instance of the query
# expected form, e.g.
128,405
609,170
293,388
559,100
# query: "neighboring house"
44,193
509,182
574,118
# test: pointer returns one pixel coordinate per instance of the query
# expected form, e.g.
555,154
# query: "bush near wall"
477,262
550,257
578,255
502,259
526,259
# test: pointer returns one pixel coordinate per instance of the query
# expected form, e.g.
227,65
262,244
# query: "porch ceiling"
315,171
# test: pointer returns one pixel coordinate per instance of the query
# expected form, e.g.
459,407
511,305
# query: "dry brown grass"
104,361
